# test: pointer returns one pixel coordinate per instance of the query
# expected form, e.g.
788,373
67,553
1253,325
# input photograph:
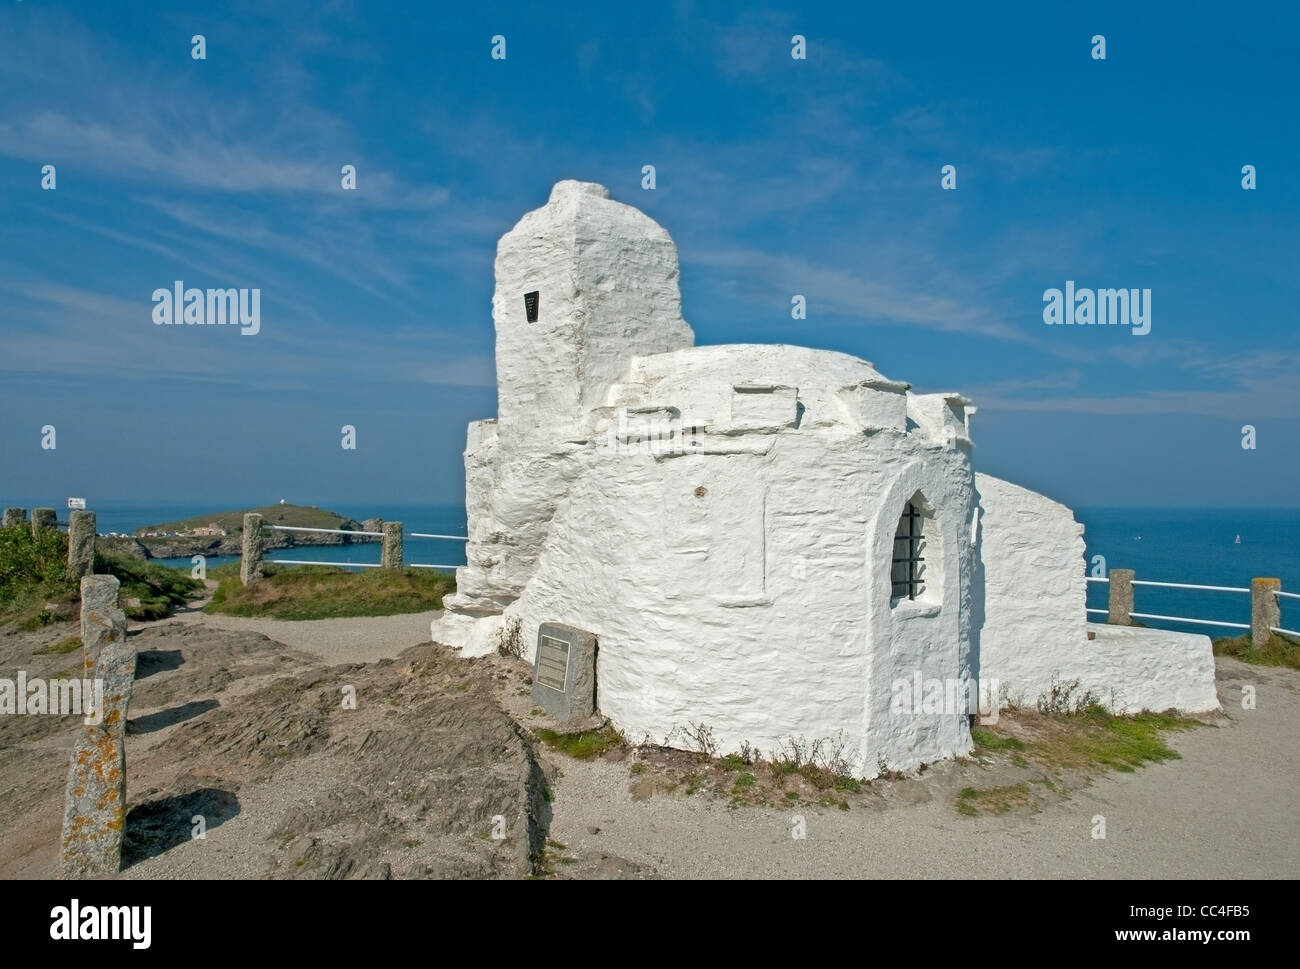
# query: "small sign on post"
77,504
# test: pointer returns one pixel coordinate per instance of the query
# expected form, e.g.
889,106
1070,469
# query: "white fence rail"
1265,603
391,545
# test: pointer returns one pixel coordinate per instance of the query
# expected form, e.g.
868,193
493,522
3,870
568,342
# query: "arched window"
909,553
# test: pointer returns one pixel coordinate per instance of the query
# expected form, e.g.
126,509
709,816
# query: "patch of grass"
1089,738
637,768
62,646
156,587
1278,651
992,741
1121,743
993,800
325,592
733,762
845,783
583,745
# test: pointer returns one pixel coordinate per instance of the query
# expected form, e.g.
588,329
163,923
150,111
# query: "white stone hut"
773,542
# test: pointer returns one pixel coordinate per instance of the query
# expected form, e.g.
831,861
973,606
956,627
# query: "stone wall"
1032,628
607,282
744,584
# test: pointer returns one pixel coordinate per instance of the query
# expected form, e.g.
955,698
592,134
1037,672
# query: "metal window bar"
906,573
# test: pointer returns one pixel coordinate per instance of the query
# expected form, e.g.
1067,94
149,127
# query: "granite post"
81,543
1120,607
94,814
43,518
391,557
250,564
14,517
102,622
1265,613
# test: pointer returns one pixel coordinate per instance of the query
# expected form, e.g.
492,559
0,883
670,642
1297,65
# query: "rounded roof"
757,364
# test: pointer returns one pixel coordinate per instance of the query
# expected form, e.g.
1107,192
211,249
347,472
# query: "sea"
1199,546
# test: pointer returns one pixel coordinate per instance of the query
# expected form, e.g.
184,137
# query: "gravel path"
363,639
1225,810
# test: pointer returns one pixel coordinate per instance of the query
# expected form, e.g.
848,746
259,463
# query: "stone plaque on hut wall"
564,671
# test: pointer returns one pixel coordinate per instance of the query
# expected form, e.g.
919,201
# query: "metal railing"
1120,610
390,553
434,536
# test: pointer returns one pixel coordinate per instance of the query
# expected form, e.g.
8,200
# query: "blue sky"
775,177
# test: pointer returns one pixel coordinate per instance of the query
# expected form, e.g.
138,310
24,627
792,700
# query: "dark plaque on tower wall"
530,305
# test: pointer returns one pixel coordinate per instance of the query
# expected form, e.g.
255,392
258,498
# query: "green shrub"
33,571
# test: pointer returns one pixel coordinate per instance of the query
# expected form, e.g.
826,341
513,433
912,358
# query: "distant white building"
768,540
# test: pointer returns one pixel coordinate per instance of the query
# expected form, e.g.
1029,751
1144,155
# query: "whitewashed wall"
1131,669
1030,588
1031,627
745,585
607,279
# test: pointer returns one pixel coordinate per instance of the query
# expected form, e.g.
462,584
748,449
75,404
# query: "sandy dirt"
1221,811
242,722
258,741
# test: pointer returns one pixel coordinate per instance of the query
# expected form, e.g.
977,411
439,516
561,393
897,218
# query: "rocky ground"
254,737
258,740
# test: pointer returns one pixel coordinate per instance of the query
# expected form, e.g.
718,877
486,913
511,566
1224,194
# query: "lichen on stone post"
14,517
1265,613
391,556
94,818
250,564
1120,607
102,622
81,543
43,518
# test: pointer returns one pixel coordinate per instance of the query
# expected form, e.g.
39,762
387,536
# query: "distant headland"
222,532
